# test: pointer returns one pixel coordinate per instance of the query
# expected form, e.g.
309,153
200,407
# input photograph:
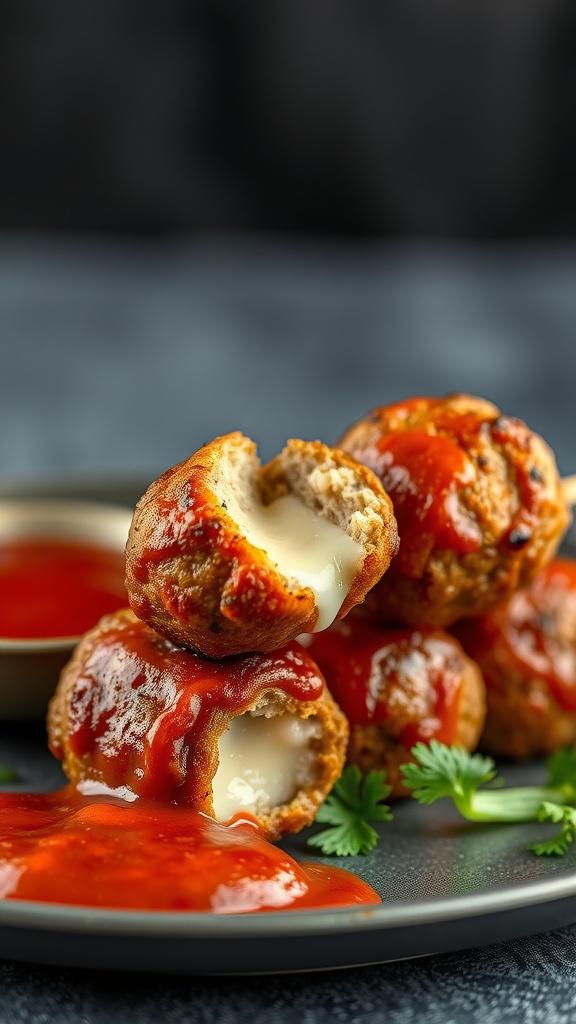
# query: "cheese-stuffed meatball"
526,650
138,716
478,501
228,556
399,686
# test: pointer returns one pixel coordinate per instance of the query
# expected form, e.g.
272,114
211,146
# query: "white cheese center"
305,546
263,763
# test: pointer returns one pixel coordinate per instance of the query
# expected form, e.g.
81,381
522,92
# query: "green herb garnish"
443,771
8,774
559,843
352,804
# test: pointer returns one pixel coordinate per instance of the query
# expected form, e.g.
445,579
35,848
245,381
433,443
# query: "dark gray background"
125,356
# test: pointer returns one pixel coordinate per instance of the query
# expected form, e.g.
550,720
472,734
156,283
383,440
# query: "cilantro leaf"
440,770
349,808
8,774
443,771
559,843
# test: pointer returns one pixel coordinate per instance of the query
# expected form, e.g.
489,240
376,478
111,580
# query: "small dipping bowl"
64,545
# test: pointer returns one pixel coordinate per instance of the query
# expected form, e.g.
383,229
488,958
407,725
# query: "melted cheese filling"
305,546
263,763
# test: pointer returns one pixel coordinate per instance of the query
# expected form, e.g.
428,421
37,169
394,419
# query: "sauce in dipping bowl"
61,569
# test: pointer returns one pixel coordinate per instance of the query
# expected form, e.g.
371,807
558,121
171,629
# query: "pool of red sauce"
106,852
53,587
137,845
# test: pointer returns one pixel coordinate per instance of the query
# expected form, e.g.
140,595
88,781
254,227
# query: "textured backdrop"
126,357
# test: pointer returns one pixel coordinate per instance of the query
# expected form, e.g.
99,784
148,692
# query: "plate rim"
386,916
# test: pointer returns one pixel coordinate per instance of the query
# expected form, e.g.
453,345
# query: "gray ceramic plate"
445,885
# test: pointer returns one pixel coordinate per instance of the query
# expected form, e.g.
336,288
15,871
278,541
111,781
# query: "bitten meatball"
227,556
136,716
477,498
399,686
526,650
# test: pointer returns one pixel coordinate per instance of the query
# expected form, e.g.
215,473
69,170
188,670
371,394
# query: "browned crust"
448,585
526,722
193,576
525,650
330,751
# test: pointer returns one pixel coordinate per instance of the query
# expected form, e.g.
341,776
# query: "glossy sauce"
426,455
57,588
423,474
65,848
532,636
424,465
407,679
144,716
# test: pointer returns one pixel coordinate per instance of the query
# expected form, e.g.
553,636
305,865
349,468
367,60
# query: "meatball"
136,716
526,650
477,498
227,556
398,686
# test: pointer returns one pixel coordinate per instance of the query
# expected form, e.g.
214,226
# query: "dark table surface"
118,360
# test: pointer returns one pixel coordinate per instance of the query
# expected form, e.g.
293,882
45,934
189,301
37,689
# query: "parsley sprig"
447,771
469,780
352,804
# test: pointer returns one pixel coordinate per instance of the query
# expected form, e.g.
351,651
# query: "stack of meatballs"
199,694
440,611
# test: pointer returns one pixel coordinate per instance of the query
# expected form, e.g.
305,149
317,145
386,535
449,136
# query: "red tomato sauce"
105,852
145,715
407,678
426,466
57,588
423,474
531,637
